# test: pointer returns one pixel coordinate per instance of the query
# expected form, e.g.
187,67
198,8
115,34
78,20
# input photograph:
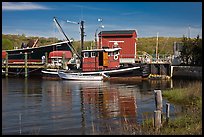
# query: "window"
116,53
86,54
110,53
93,54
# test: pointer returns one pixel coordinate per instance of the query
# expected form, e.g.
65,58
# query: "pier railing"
144,57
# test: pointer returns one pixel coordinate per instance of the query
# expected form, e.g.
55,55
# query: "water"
37,106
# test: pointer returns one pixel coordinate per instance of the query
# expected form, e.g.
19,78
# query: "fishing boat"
96,62
93,63
35,54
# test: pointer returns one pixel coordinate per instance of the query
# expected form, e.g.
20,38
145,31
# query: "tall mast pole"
157,47
82,40
82,35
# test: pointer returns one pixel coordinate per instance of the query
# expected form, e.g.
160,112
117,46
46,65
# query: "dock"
19,68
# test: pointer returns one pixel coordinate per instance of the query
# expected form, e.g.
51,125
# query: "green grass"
190,122
192,94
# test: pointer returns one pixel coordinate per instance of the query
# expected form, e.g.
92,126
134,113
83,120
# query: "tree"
191,53
186,50
197,51
6,44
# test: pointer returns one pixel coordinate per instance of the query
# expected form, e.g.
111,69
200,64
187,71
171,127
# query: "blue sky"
169,19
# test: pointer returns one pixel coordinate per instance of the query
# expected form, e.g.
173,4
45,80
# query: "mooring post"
157,119
63,60
46,59
167,112
26,64
6,64
158,99
158,111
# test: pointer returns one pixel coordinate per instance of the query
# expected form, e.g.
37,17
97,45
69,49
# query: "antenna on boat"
61,30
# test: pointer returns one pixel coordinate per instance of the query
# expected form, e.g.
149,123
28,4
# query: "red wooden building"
124,39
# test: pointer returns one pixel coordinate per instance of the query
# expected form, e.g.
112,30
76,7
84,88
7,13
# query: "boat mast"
82,40
70,45
157,47
82,35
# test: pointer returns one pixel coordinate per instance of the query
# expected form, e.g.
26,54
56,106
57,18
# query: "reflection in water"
108,106
73,107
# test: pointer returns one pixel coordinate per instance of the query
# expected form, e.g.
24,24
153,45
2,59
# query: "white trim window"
115,53
86,54
110,53
93,54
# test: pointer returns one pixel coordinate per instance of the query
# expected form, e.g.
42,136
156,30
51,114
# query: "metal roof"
107,50
118,32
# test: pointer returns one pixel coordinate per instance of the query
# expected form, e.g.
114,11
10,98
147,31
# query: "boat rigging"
70,45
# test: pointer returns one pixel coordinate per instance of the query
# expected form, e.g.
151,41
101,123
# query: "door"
100,58
105,59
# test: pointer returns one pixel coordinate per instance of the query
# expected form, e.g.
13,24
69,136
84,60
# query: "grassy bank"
189,121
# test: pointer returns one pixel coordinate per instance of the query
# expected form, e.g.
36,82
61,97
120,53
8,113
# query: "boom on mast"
70,45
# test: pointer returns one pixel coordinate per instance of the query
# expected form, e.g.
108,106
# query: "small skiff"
79,76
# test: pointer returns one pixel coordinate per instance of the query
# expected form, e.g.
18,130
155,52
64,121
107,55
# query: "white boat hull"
79,77
94,75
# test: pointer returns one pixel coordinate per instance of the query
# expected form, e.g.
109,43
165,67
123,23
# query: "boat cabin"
100,59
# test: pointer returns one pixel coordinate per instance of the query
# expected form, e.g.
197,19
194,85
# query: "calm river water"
38,106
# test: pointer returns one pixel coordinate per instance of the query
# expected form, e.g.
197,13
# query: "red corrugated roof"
68,54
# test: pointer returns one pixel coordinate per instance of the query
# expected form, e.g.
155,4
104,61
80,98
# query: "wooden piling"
167,111
158,111
46,59
158,99
157,119
63,60
6,64
26,64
